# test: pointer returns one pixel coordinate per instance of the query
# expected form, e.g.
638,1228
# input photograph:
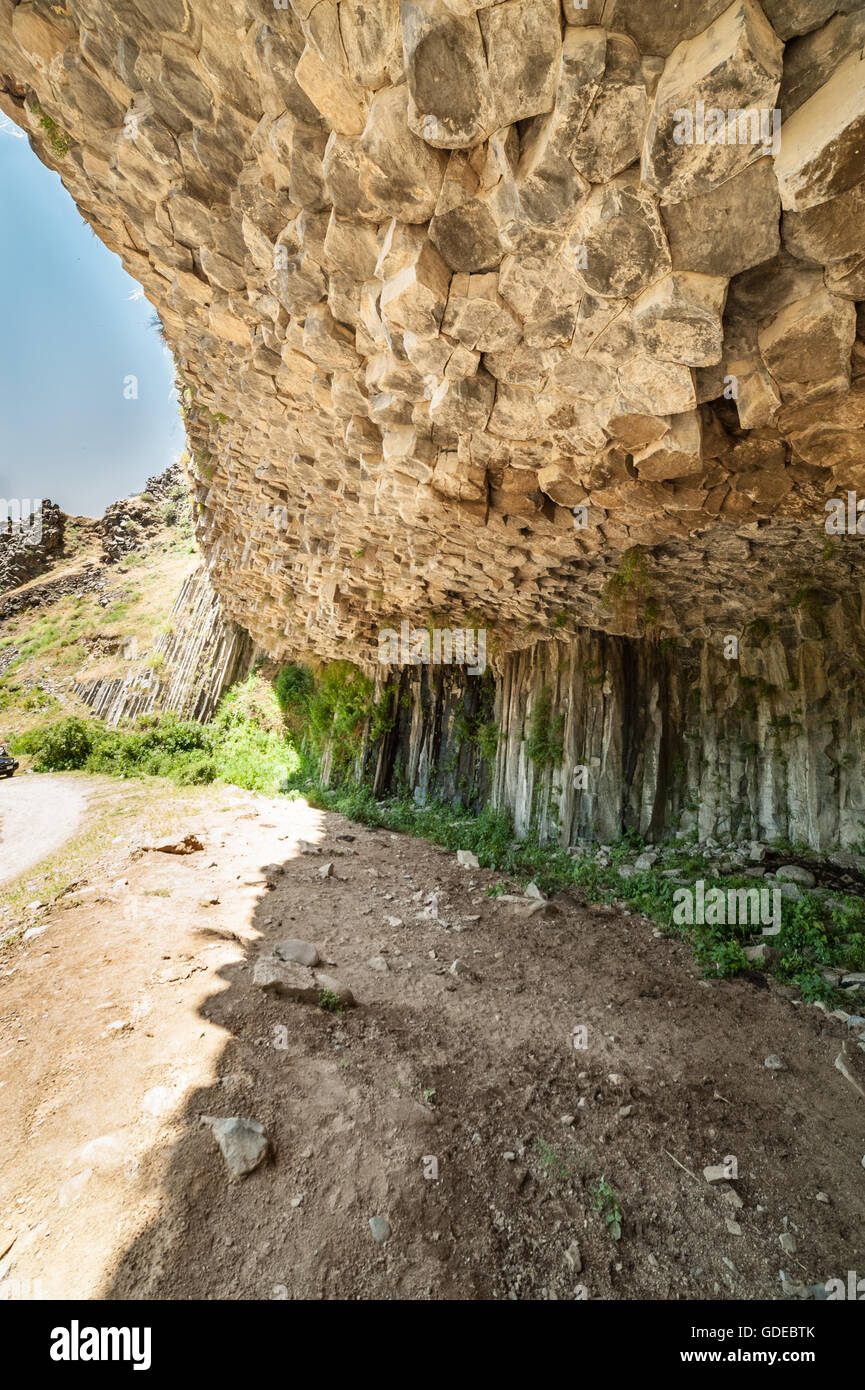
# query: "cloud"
8,127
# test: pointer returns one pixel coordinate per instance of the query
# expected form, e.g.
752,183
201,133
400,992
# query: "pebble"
647,860
380,1229
326,871
822,1197
787,1241
774,1063
716,1172
573,1257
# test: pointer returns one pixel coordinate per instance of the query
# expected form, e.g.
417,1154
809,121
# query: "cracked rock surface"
436,273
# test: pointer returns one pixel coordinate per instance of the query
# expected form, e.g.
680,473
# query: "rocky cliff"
544,317
86,615
188,669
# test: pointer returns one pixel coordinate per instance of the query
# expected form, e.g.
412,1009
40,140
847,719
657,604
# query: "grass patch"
58,139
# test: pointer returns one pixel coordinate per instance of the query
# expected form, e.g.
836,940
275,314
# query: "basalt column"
529,317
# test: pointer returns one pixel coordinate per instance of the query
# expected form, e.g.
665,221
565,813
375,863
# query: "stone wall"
653,736
548,314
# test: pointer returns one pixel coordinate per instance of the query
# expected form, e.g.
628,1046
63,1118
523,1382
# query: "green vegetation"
480,728
605,1201
545,743
554,1164
329,713
330,1001
57,137
631,580
245,745
760,630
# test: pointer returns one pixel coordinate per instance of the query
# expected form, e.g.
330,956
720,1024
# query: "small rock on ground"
300,952
244,1143
380,1229
796,873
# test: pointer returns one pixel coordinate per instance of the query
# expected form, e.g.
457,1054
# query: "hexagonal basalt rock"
679,319
437,273
714,106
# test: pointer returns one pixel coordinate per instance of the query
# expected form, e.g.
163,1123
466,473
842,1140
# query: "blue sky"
75,326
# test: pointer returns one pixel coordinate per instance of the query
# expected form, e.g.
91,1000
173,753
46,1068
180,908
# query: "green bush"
63,746
330,711
197,771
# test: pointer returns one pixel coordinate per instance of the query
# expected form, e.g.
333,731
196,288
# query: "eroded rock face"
438,272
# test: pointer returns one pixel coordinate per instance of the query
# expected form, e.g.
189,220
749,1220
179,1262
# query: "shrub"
60,747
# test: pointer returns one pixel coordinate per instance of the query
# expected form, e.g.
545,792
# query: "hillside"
95,610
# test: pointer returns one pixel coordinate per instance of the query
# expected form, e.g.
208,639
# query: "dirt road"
452,1101
37,814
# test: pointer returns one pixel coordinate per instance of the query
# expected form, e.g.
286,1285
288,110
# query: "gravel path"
36,815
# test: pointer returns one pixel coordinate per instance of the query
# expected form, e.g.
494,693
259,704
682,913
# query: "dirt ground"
135,1013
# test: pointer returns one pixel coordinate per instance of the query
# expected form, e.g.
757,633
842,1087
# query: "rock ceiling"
470,301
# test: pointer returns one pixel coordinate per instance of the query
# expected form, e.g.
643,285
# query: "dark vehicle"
8,764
